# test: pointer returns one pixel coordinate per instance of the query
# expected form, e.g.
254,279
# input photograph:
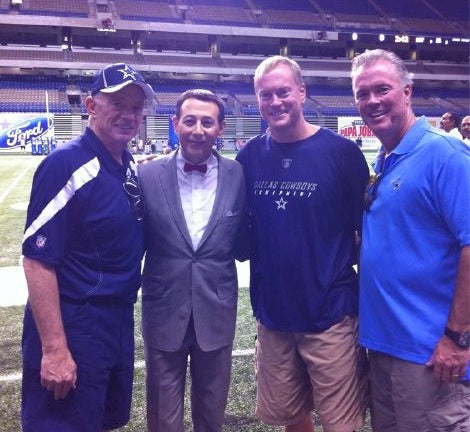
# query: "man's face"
117,116
465,127
198,129
383,101
280,99
447,123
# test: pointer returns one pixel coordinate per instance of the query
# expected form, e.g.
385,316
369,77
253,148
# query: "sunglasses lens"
132,190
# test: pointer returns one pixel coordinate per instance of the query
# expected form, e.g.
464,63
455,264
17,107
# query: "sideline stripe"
137,365
17,179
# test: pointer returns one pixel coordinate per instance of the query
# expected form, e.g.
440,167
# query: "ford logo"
25,132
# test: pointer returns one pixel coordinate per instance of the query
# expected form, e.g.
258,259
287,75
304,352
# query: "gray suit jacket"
178,280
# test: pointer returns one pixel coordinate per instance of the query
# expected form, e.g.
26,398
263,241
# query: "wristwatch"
461,339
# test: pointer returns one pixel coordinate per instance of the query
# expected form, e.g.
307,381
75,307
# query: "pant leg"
413,400
210,381
166,375
382,408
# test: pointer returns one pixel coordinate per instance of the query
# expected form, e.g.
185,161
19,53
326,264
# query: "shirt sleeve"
53,211
356,175
453,195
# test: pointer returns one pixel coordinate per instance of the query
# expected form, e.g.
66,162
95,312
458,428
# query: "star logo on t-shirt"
281,204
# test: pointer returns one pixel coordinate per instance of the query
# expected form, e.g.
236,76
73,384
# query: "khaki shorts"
405,396
296,372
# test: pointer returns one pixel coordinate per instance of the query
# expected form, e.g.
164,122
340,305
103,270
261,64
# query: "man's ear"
408,91
222,128
175,121
90,105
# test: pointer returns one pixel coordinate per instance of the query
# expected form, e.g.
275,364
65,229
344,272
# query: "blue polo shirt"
411,241
81,221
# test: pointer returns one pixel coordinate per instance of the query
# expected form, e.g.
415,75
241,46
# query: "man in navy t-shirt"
82,251
305,185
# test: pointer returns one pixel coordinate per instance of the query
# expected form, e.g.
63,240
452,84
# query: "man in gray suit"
194,202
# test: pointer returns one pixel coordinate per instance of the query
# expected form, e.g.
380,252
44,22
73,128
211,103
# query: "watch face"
461,339
464,340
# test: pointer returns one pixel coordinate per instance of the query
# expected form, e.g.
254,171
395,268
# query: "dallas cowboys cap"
116,76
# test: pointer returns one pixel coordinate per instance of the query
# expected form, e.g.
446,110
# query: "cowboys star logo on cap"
117,76
128,72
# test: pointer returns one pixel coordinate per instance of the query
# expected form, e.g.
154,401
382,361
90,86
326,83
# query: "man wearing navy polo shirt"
82,251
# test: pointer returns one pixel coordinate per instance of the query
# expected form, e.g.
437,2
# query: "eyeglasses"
371,190
135,198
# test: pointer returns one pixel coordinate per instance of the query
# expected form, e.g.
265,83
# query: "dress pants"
166,377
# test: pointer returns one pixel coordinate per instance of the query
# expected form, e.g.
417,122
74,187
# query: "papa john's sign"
22,129
354,128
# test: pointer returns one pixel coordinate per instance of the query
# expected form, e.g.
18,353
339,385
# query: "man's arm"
58,369
448,360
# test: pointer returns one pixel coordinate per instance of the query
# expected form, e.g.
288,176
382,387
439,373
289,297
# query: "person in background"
465,129
195,201
82,252
415,259
305,186
450,122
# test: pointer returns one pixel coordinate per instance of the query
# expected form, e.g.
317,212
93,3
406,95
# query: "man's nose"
373,98
198,128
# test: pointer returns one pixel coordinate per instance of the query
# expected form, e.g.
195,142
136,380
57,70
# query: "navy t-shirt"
305,200
81,221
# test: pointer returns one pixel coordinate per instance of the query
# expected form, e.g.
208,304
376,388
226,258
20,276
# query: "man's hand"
449,362
58,372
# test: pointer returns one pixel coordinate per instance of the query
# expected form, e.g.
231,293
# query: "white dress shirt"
197,192
456,133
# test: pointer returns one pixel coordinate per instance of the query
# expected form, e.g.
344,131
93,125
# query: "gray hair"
370,57
270,63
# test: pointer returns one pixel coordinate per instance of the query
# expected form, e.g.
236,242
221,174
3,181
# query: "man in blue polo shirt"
82,251
415,259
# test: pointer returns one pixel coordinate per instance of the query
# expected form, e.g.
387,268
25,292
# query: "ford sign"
25,132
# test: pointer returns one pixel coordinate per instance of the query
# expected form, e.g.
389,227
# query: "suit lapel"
169,182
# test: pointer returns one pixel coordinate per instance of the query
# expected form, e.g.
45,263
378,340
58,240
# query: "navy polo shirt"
81,221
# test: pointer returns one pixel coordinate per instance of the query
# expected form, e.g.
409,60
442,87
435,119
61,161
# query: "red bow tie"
189,167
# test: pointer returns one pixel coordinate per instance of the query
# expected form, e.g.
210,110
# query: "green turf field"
16,172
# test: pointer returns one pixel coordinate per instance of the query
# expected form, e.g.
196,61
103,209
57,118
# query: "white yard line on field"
137,365
14,182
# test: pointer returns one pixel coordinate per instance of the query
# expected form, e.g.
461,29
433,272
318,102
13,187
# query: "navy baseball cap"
117,76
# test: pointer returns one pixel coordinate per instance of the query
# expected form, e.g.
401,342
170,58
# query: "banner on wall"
356,130
23,130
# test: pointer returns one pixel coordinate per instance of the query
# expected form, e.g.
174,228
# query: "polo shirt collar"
103,154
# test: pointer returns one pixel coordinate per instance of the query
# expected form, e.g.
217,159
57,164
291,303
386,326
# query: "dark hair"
203,95
455,118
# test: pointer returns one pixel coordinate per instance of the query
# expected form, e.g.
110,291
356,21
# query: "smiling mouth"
377,115
125,128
